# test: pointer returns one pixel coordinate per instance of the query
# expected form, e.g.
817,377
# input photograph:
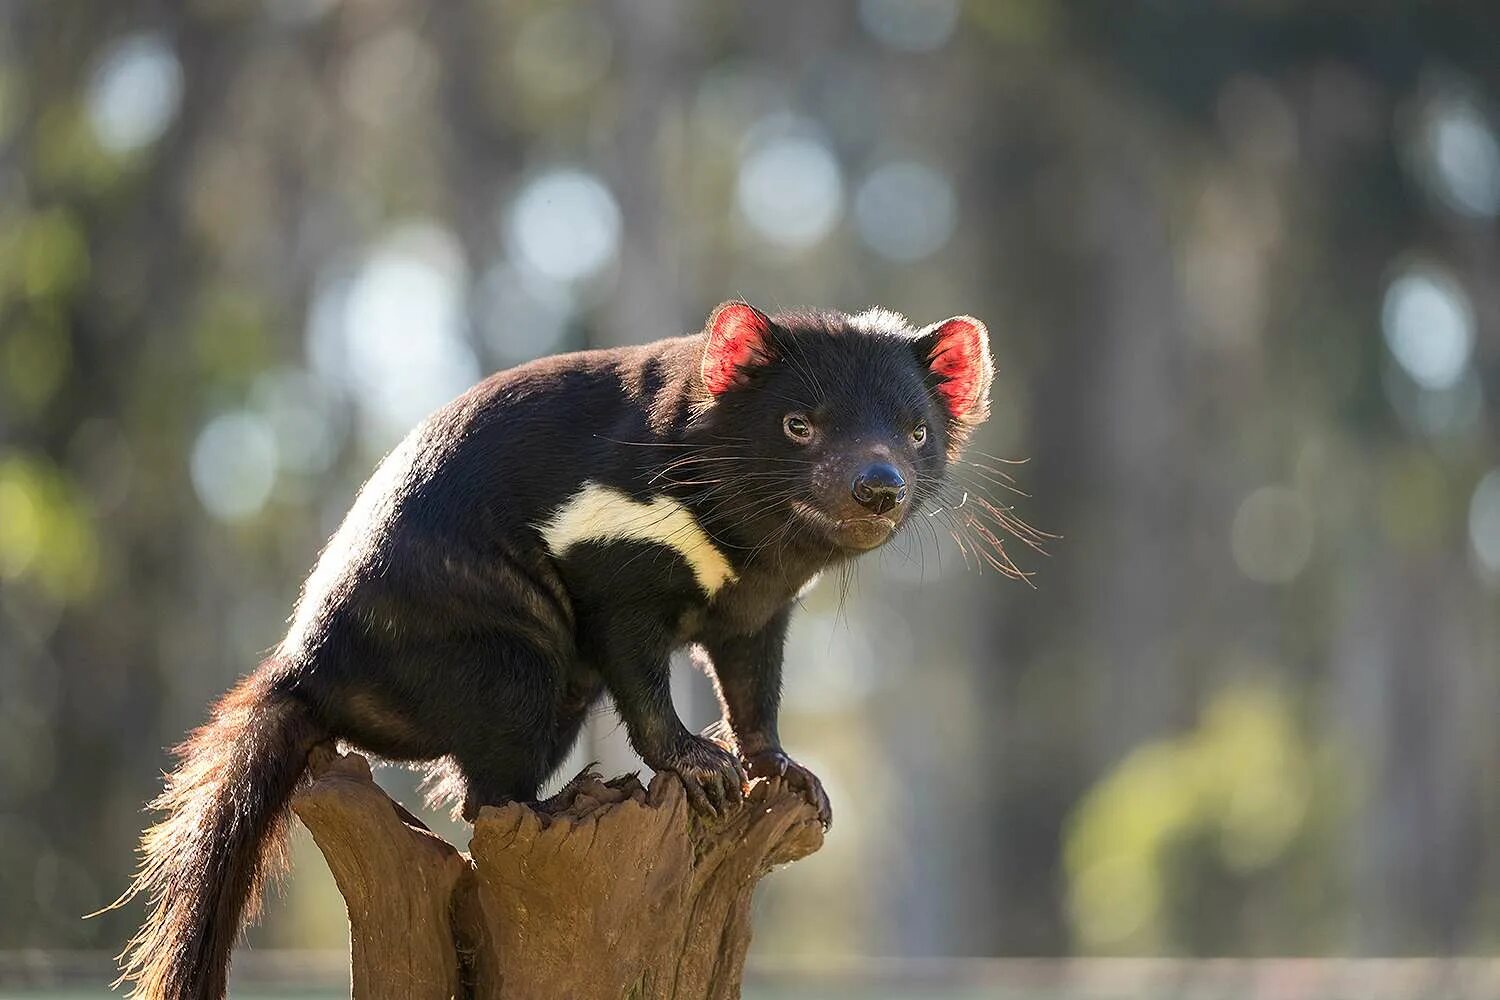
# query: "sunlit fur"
224,833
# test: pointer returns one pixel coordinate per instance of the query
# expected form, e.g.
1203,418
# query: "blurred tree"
1240,260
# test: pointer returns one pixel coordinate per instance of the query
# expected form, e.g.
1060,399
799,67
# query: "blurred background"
1239,261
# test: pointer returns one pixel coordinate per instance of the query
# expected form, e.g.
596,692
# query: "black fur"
438,625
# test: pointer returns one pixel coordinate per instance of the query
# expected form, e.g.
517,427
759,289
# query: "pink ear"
737,337
957,351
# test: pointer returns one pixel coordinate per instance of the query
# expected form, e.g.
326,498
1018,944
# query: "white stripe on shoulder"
602,513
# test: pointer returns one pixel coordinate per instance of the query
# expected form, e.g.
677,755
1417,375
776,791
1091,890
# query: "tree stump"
616,891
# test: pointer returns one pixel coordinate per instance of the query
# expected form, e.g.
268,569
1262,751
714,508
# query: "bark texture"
614,890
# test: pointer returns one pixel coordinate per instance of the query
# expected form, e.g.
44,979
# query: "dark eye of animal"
797,427
919,435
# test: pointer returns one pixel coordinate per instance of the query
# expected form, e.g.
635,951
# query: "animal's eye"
797,427
919,434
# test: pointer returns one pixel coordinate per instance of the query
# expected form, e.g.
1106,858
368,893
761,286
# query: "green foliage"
1236,790
47,534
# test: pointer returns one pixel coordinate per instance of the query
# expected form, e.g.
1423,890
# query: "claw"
742,780
775,763
715,795
712,777
694,793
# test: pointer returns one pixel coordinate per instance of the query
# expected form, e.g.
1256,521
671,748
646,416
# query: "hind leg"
488,705
583,692
489,710
497,705
495,779
552,751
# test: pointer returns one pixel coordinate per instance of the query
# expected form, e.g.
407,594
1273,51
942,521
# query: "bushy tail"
202,866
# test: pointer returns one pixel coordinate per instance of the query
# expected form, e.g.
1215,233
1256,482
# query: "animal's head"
843,425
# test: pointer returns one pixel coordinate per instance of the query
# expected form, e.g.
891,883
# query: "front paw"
774,763
712,776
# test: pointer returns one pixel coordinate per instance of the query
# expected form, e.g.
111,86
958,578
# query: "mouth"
858,534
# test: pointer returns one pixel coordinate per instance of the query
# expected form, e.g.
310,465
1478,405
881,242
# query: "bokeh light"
1484,525
905,211
234,465
1461,157
134,92
1429,326
395,334
910,25
20,524
521,314
565,225
790,188
405,327
303,419
1272,535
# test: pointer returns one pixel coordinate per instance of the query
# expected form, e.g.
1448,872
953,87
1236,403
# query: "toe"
695,794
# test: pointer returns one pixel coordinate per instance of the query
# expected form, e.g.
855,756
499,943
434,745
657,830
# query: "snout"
865,513
878,488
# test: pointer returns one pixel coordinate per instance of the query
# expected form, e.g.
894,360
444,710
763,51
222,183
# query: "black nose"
879,487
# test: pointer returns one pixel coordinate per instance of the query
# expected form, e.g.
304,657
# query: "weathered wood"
616,891
397,879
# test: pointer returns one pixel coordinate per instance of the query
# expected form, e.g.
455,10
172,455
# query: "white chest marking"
601,514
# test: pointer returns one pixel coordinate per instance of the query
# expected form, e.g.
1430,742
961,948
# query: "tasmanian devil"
553,534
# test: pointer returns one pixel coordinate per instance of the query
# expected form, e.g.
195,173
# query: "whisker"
997,458
984,475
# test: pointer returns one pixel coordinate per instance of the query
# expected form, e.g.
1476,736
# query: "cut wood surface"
616,890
